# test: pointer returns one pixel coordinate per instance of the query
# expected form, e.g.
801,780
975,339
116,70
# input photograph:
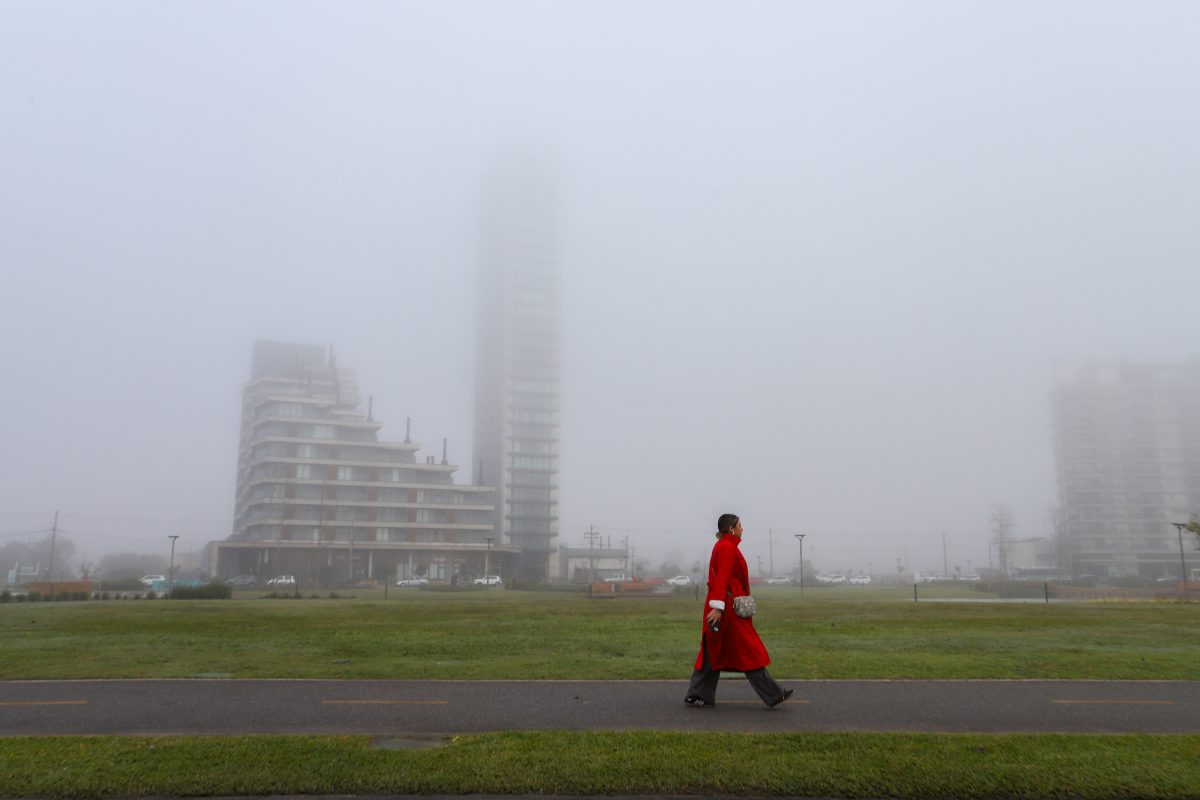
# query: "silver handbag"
744,606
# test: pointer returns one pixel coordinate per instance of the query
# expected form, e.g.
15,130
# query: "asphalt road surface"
416,708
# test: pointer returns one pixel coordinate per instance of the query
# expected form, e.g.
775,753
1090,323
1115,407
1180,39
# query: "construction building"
1127,451
320,497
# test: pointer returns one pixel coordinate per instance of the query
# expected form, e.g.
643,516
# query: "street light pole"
171,565
1179,526
487,563
800,539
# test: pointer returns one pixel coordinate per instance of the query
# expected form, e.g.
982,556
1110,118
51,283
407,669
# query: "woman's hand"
714,616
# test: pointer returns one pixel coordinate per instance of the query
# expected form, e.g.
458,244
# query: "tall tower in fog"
1127,447
517,363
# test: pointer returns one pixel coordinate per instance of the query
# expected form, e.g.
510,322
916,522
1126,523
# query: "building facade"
320,497
517,383
1127,451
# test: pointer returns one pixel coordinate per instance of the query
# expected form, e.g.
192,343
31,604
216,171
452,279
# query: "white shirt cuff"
719,605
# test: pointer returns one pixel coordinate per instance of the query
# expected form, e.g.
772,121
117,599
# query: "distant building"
588,565
320,497
517,391
1127,449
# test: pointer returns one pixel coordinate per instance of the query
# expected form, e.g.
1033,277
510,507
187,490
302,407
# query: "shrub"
124,584
569,588
21,598
6,596
35,597
209,591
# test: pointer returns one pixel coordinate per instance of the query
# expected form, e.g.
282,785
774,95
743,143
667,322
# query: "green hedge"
209,591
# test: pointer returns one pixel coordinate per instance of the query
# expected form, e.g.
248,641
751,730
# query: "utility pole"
945,567
1179,528
771,550
487,562
53,534
592,534
800,539
625,558
171,563
1001,525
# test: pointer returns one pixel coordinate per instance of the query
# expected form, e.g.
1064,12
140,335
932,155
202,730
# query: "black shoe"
786,694
697,702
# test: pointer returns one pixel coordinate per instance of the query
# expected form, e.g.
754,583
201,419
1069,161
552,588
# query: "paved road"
416,708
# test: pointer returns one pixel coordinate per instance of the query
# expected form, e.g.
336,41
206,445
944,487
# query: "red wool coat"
736,645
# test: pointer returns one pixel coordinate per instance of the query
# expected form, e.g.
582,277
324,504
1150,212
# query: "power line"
105,536
22,533
149,521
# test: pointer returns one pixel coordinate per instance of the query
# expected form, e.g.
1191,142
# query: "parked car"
618,578
413,582
488,580
282,581
150,580
859,580
242,581
679,580
779,581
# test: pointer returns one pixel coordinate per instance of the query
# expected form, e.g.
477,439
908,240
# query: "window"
322,432
344,473
289,410
530,494
531,462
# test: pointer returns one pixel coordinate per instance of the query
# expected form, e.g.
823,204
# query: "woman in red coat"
729,642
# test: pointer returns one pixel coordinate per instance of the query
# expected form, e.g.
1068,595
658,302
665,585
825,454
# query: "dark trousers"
704,682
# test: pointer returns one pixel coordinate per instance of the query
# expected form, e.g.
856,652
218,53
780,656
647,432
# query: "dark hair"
726,523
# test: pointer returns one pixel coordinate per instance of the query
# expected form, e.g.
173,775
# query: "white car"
280,581
488,580
832,579
779,581
413,582
150,580
678,580
859,580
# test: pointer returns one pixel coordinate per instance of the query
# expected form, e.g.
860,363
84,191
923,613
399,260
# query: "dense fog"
819,259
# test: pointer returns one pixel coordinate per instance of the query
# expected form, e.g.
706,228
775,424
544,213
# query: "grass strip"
813,765
540,636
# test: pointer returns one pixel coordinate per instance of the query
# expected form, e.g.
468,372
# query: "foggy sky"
819,258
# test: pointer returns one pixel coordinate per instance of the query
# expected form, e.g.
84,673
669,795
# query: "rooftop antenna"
408,430
444,461
370,408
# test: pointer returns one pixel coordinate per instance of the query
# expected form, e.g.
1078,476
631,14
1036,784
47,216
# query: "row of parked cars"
486,580
251,582
827,579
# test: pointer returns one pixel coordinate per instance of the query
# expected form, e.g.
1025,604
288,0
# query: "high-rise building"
321,497
517,366
1127,449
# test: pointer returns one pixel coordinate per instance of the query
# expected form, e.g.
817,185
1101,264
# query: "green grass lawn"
811,765
531,635
506,634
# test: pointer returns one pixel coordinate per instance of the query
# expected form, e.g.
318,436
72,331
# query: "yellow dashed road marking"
384,702
1117,702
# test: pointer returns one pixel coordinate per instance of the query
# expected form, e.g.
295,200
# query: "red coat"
736,645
